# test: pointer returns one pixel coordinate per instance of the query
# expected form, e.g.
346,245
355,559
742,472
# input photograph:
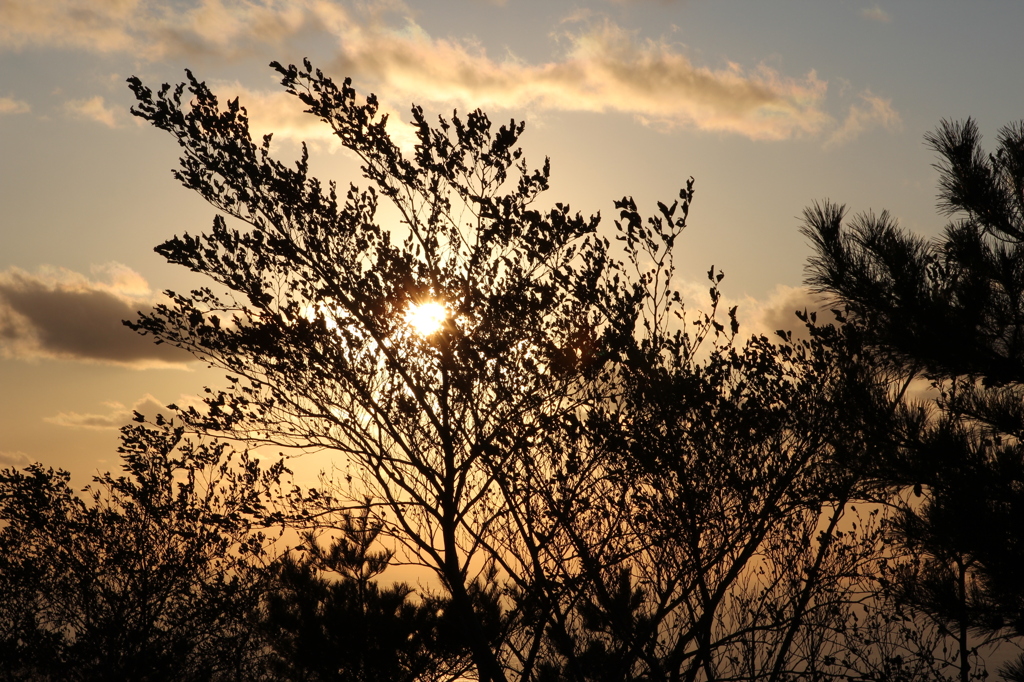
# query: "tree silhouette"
741,553
319,347
328,619
150,577
951,310
605,484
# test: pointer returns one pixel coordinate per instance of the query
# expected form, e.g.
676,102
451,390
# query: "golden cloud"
9,105
869,113
605,68
92,109
150,30
95,26
601,68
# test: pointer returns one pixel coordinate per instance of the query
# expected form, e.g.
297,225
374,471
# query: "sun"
426,318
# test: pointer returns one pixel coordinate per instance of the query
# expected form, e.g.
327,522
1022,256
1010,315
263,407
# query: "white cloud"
93,109
601,67
778,311
869,113
876,13
60,314
763,316
116,416
9,105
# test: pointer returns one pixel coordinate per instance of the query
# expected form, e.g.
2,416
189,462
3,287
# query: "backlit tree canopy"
605,484
952,310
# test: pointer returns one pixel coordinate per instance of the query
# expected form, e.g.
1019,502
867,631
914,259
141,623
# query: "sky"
770,105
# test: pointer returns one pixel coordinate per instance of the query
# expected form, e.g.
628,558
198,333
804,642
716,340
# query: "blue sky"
770,105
